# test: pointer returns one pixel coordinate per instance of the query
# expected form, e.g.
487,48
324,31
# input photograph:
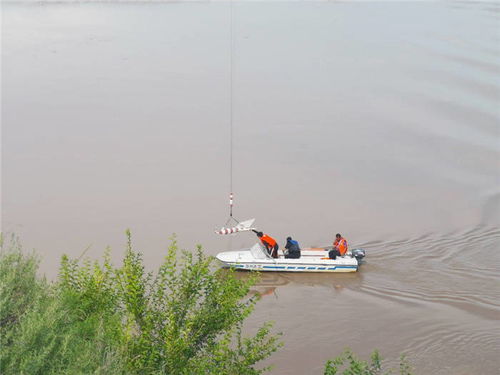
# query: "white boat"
312,260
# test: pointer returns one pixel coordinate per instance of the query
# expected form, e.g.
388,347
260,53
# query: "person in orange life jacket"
339,247
293,249
269,242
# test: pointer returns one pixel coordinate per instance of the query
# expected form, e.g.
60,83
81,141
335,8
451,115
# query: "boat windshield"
258,251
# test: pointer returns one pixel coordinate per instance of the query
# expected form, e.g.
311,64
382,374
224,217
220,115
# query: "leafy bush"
100,319
186,318
349,364
19,286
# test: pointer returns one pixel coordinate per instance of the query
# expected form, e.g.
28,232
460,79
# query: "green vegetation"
349,364
100,319
96,318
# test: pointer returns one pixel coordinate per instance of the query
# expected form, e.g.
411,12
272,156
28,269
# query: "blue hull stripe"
293,267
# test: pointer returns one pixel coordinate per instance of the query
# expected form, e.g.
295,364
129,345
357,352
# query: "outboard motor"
359,254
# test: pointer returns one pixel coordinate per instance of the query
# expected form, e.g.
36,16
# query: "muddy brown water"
376,120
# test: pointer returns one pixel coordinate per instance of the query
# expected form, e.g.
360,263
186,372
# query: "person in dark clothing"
293,249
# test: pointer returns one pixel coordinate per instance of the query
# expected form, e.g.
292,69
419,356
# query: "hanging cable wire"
246,225
231,115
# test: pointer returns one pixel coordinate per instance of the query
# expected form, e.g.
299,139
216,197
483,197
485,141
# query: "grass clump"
348,364
97,318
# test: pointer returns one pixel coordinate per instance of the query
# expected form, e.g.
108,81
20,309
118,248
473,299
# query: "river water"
379,120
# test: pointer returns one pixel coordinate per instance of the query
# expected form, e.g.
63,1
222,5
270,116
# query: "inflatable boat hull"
257,259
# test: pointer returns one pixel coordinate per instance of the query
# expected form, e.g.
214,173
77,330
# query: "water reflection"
269,283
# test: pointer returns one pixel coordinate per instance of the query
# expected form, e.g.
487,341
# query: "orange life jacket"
341,245
268,241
